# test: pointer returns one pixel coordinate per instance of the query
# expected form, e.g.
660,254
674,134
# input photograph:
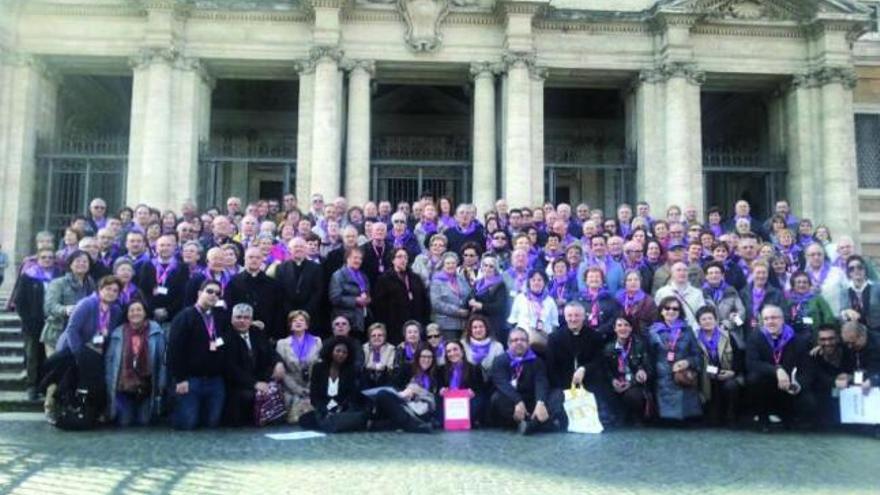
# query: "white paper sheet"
857,408
295,435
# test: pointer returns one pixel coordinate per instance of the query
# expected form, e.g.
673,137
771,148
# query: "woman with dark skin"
334,391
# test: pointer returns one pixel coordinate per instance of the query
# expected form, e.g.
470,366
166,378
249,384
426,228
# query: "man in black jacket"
144,271
196,360
779,378
301,279
466,229
171,277
377,253
828,365
29,299
262,293
522,392
862,356
251,363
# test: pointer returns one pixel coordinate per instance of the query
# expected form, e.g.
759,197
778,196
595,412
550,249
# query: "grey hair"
242,309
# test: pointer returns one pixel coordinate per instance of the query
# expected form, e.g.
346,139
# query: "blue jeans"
131,411
203,405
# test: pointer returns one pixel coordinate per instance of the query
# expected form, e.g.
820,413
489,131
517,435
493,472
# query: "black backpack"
76,411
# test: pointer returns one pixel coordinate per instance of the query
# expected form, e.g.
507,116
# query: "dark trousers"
765,399
723,406
240,406
34,353
393,408
501,410
202,405
339,422
628,407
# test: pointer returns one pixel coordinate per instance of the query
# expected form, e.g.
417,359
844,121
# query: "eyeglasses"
470,255
631,251
99,207
433,336
671,308
340,323
212,292
243,317
398,221
853,268
500,237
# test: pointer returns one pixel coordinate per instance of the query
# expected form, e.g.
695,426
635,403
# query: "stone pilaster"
357,177
538,75
305,107
803,149
517,122
170,114
484,171
28,100
326,122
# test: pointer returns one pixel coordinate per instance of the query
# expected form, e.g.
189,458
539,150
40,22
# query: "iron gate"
72,172
221,160
405,167
733,174
601,176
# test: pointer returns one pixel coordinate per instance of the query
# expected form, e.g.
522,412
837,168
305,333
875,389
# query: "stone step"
14,362
10,334
12,381
17,401
11,348
9,320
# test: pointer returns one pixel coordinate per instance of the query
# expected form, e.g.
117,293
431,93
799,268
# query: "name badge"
513,382
160,291
858,377
670,356
513,294
220,304
712,370
218,341
98,339
737,320
808,320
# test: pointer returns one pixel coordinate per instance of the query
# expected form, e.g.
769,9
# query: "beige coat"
296,374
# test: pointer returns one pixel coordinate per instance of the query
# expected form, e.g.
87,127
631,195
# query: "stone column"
838,159
484,168
357,159
538,76
28,99
648,116
170,102
803,149
517,163
305,107
326,124
683,167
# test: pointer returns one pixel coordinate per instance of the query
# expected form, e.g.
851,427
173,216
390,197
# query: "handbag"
685,378
582,411
269,406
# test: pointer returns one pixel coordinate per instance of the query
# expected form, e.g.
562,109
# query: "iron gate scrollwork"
603,174
731,174
221,155
73,171
405,167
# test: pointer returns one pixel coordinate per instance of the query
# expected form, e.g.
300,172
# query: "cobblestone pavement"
37,459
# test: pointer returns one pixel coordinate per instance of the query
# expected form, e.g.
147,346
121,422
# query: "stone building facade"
514,89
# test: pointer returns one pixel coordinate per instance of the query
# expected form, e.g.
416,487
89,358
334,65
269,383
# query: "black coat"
188,345
348,394
391,303
609,309
761,368
867,360
472,377
262,293
29,304
303,286
457,239
638,359
772,295
565,349
175,284
495,307
376,261
244,368
532,385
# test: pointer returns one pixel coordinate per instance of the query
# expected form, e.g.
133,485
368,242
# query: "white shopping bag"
582,411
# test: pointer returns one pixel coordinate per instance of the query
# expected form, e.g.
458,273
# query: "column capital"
197,66
539,73
368,66
821,76
304,66
18,59
479,70
318,53
666,71
150,55
512,59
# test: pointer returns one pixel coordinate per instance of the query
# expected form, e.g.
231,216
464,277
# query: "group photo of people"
339,317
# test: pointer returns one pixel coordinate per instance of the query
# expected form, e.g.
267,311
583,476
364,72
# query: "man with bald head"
215,270
302,280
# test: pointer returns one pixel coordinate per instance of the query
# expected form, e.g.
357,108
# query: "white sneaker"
775,419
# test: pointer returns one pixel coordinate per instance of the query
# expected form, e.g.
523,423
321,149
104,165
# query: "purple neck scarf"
409,351
37,272
485,283
717,292
358,277
429,227
517,362
466,231
758,298
479,350
777,346
301,347
455,379
399,241
711,345
628,301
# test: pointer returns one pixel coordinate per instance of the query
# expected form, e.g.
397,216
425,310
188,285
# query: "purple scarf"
429,227
711,345
819,279
447,221
717,292
409,351
301,348
358,277
162,273
757,298
485,283
558,287
480,351
466,231
777,346
626,301
518,280
516,363
401,240
455,379
37,272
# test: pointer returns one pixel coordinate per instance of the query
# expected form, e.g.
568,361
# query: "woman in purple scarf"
459,374
405,353
490,297
298,353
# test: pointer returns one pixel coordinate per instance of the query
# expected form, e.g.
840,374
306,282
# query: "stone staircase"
12,383
869,222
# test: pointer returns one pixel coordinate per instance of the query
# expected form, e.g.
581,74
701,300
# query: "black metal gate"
733,174
601,176
405,167
223,162
72,172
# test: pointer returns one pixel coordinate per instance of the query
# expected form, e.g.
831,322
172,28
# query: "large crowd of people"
196,317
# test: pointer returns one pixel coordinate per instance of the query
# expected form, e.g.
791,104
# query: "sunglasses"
398,221
671,308
212,292
853,268
433,336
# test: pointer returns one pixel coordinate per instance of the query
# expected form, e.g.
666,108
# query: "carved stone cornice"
16,59
319,53
150,55
423,19
369,66
326,4
539,73
179,8
822,76
520,7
